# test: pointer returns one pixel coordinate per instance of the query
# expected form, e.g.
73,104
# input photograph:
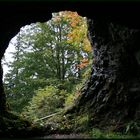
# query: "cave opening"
46,64
109,100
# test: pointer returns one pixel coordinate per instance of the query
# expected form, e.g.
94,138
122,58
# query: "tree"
48,54
46,102
13,80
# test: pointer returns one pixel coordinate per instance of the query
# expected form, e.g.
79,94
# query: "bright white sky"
8,55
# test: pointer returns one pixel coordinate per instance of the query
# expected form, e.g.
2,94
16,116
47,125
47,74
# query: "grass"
97,133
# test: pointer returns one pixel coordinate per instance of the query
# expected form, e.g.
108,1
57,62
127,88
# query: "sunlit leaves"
87,46
46,101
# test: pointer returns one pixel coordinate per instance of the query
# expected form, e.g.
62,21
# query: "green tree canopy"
54,53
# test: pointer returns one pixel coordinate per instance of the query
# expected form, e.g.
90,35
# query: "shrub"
46,101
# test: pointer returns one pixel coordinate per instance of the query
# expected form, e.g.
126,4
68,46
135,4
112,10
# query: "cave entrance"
47,65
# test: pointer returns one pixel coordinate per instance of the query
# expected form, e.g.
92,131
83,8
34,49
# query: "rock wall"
2,95
112,93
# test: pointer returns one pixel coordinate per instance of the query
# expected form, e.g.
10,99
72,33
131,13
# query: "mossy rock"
13,126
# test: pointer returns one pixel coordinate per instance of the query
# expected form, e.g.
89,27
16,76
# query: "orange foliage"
84,62
78,33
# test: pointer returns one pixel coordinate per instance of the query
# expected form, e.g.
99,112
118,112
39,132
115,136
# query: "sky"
8,55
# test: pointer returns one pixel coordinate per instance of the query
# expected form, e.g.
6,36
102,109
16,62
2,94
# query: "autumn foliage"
78,34
84,62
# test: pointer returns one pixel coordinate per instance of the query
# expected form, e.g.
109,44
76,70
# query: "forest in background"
50,63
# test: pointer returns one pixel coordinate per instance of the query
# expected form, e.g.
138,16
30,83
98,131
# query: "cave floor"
54,136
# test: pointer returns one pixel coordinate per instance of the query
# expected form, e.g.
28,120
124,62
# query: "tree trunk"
112,93
78,68
63,64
